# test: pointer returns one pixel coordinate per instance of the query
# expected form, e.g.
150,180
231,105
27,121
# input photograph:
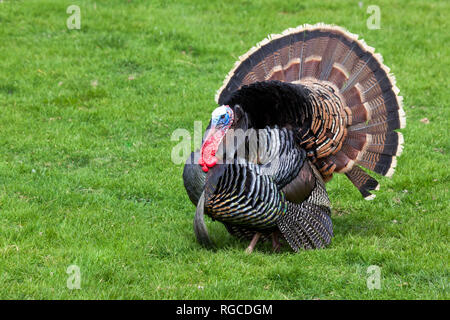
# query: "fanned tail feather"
331,56
363,182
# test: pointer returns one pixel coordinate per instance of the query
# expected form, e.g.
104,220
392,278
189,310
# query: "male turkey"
320,100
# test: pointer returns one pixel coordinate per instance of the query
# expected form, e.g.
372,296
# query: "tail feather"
362,181
314,50
390,143
328,57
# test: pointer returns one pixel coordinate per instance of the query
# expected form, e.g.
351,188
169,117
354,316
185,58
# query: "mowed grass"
86,177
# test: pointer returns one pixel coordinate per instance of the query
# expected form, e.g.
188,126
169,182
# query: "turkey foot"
275,242
253,243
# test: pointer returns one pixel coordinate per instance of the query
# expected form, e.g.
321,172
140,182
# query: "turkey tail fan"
328,58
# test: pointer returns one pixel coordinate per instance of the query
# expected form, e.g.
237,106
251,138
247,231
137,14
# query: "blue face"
221,116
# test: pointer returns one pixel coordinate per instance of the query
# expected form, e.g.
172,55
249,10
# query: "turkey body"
315,101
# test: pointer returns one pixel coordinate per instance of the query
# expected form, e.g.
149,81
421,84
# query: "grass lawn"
86,176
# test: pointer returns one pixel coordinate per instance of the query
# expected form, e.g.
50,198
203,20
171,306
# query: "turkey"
294,110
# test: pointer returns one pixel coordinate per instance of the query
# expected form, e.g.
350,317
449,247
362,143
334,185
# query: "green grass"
86,176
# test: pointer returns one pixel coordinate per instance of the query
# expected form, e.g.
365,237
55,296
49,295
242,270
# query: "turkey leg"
253,243
275,241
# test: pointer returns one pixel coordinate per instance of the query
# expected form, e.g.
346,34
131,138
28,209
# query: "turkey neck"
271,103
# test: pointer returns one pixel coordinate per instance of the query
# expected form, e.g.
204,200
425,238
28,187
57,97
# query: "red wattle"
209,148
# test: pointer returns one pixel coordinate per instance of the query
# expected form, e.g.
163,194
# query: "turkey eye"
222,116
